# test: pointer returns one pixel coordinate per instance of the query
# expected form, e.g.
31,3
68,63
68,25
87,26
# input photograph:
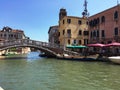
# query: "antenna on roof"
85,12
117,2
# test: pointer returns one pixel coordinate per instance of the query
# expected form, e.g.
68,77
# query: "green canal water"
36,73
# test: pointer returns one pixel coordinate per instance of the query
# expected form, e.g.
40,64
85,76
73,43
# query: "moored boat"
115,59
78,58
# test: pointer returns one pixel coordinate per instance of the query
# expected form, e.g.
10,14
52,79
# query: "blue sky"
35,17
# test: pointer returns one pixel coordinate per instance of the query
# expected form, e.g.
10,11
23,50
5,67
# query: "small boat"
115,59
78,58
42,55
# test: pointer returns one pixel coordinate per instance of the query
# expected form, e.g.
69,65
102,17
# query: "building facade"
104,27
8,33
72,30
53,35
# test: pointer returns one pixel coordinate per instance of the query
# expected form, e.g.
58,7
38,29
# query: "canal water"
36,73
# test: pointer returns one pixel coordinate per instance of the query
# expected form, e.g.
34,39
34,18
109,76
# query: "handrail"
29,42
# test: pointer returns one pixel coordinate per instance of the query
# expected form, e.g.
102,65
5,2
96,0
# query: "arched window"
95,21
116,15
90,23
116,31
103,19
98,20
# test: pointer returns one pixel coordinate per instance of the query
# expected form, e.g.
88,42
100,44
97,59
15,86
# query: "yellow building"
72,30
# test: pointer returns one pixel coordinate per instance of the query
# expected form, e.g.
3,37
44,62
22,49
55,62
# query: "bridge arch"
48,48
42,46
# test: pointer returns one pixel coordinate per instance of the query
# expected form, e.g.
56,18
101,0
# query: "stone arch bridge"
48,48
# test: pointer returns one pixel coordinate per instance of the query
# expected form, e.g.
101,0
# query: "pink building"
104,27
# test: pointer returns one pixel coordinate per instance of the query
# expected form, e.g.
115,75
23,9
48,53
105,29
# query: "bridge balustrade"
24,42
28,42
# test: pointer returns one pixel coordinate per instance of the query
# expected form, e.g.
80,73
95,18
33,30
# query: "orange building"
104,27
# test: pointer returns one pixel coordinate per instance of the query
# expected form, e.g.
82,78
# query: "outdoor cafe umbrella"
113,44
96,45
113,49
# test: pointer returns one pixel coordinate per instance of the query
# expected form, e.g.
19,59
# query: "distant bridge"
48,48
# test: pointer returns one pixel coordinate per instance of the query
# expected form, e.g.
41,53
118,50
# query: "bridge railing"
27,42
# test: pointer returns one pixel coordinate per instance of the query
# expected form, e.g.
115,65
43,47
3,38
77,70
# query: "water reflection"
33,56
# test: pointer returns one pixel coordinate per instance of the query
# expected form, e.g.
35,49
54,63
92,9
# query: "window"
91,23
1,35
85,41
11,35
69,32
103,33
69,21
63,32
97,33
74,42
59,34
116,31
94,34
95,22
58,42
79,42
68,41
98,20
14,36
80,32
91,34
86,33
87,22
79,22
4,35
115,15
103,19
63,21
